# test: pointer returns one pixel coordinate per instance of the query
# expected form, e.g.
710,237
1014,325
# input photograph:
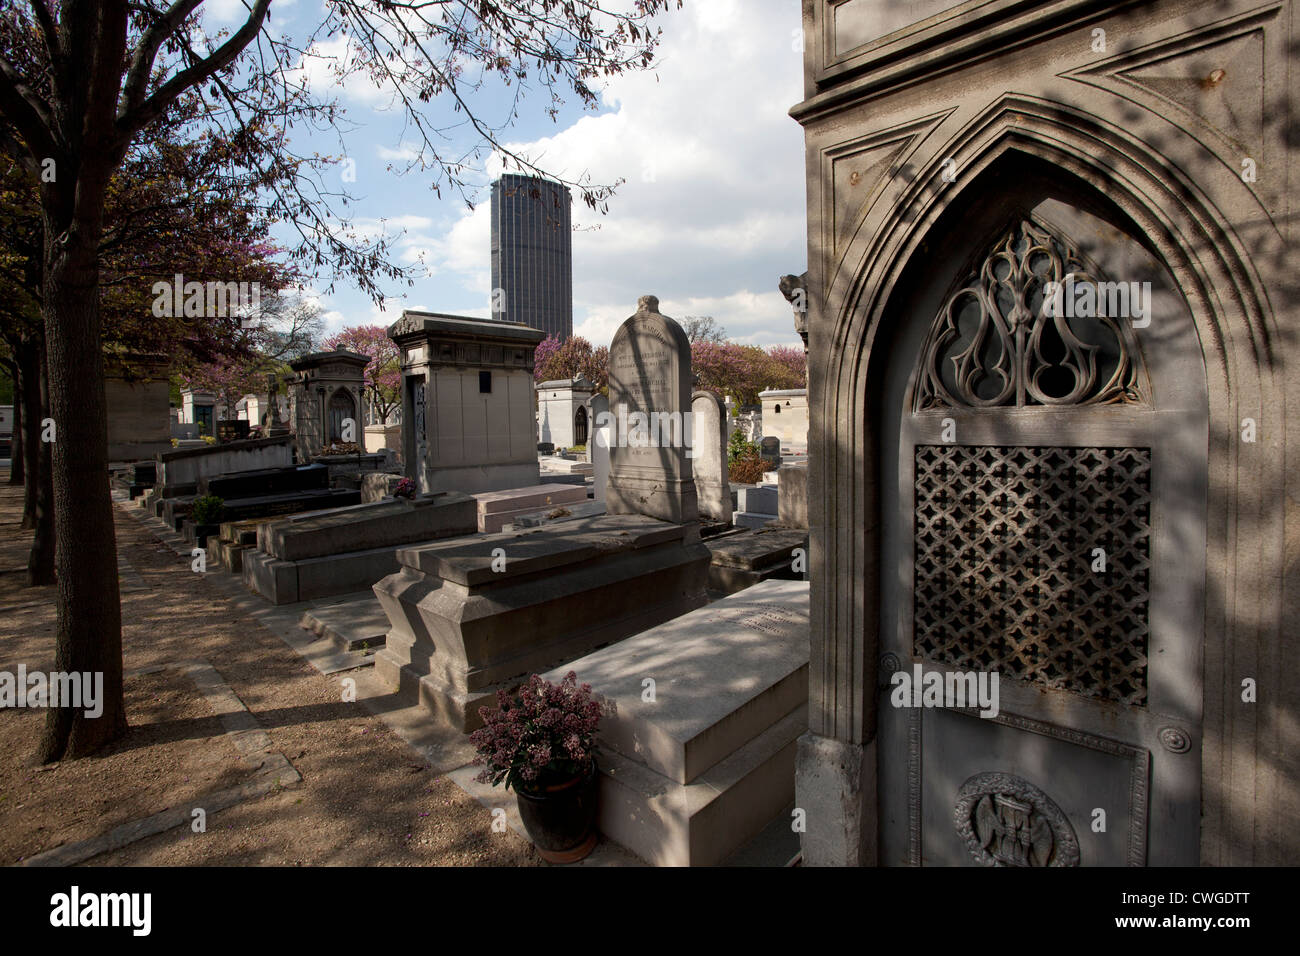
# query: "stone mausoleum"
1052,327
325,395
562,412
467,402
785,417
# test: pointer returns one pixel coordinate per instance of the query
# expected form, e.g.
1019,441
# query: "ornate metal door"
1049,530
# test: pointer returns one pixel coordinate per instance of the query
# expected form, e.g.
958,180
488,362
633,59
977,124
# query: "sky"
711,212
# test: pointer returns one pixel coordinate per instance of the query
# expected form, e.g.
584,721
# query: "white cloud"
712,211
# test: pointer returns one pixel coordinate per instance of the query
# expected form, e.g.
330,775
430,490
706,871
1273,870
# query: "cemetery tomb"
562,417
348,549
325,401
470,617
972,441
746,558
693,774
785,417
180,470
650,384
757,505
709,464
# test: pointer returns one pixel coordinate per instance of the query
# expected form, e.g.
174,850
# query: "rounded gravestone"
649,397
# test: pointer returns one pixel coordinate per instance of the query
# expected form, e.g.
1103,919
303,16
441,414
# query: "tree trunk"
29,373
16,470
41,559
89,632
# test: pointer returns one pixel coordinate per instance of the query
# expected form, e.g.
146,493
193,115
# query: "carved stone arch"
1236,328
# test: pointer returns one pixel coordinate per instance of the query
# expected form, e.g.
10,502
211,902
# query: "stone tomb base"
348,549
460,630
690,777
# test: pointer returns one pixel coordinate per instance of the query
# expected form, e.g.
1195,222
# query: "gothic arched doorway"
580,426
342,408
1043,481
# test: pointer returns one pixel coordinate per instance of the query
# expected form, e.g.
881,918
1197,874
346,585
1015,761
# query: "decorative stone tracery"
994,343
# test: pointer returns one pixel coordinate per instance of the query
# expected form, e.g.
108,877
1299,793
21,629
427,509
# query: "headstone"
770,452
598,447
649,392
709,445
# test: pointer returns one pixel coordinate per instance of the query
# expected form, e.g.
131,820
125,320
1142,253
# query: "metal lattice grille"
1004,576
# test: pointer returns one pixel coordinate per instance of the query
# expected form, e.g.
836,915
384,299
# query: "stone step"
723,674
354,622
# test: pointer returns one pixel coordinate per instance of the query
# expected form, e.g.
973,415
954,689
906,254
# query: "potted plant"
205,515
405,489
541,742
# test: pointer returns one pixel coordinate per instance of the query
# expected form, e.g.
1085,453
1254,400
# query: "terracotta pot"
561,819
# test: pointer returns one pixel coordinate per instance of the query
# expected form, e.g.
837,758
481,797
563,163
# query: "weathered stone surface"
465,621
792,501
650,379
598,446
835,784
722,674
498,508
709,464
362,527
180,470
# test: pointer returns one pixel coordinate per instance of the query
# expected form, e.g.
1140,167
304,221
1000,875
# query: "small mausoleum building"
562,414
467,402
325,400
785,417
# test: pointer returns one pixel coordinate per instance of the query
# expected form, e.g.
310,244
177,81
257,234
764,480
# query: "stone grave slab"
690,777
465,621
498,508
743,560
348,549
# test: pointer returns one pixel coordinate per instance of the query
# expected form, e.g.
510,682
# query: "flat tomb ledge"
460,630
389,523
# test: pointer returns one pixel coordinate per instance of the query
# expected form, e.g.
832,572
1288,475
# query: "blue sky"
711,213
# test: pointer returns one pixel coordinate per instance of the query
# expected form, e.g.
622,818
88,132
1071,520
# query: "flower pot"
561,819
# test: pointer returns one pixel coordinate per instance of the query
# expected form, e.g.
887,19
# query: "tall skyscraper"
532,254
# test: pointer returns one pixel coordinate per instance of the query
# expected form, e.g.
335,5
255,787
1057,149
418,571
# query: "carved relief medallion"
1007,821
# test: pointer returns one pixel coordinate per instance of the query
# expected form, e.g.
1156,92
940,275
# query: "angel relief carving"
1005,337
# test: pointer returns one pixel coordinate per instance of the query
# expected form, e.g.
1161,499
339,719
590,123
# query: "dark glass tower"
532,254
